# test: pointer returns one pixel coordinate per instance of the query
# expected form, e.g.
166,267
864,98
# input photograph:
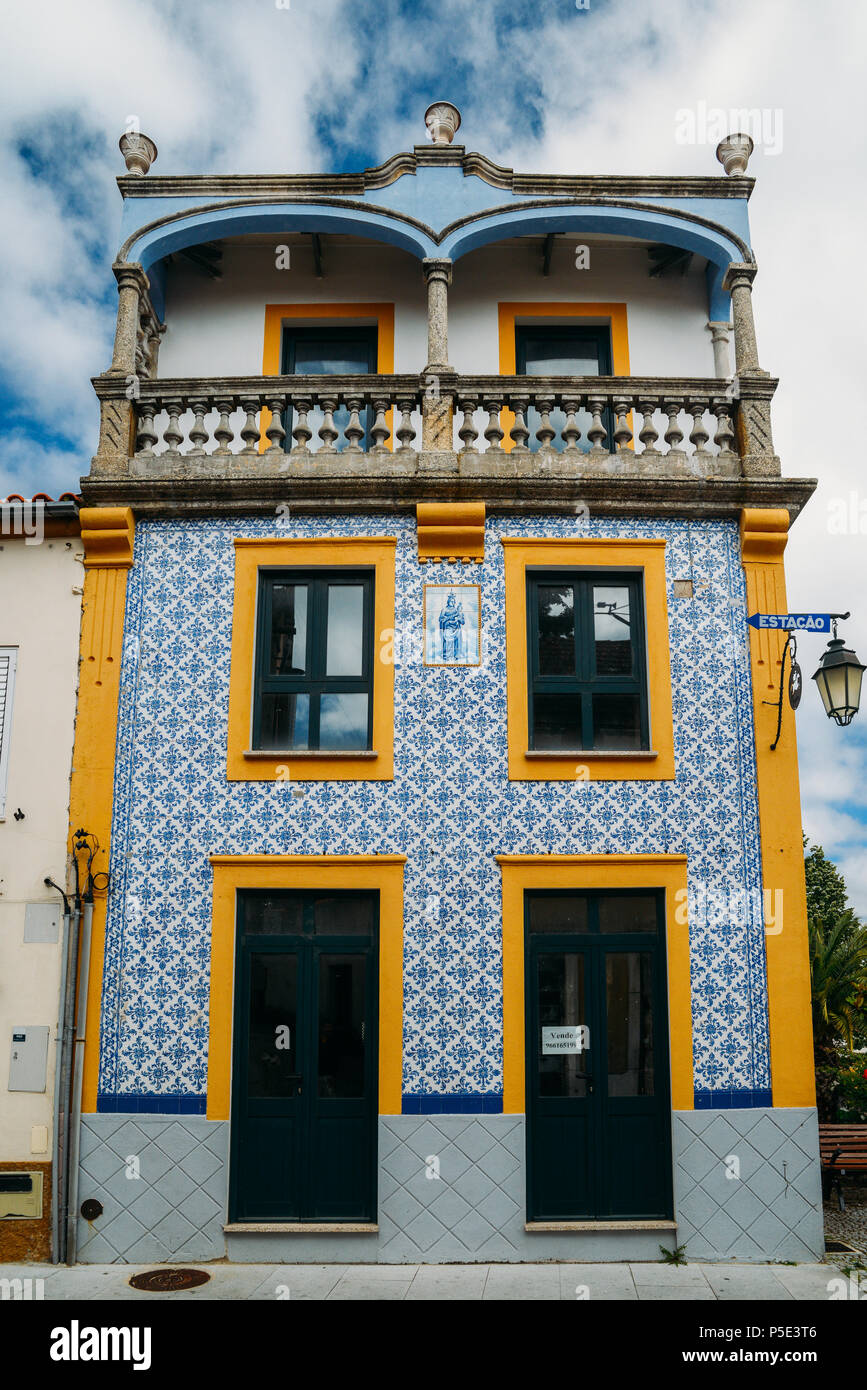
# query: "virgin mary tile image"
452,625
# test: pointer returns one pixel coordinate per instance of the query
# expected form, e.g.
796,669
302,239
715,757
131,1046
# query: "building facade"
41,579
455,905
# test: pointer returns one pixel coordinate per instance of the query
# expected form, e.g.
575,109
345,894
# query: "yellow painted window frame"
617,553
510,313
243,764
378,872
587,872
276,316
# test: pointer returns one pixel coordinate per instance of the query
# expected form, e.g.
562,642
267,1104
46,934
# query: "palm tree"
838,966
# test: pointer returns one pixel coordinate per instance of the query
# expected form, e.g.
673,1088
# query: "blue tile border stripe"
733,1100
459,1103
138,1104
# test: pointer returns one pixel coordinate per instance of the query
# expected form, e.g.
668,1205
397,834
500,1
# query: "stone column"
719,335
738,281
437,404
753,387
131,282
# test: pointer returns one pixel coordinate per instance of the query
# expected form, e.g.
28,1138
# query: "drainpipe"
77,1080
58,1108
63,1075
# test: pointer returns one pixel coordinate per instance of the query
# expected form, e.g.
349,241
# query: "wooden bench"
843,1149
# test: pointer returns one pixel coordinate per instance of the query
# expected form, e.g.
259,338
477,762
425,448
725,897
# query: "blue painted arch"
176,231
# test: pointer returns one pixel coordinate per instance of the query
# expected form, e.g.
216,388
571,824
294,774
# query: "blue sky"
256,85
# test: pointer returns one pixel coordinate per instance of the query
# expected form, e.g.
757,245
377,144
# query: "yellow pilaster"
107,535
764,532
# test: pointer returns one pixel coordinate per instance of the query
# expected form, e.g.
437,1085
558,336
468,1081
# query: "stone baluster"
493,430
198,433
519,431
724,435
698,435
622,428
571,433
597,432
354,431
145,434
468,433
406,429
250,429
648,433
379,430
673,434
301,431
172,436
275,433
328,435
546,432
224,433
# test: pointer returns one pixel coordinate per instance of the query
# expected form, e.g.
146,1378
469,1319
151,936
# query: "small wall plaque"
452,625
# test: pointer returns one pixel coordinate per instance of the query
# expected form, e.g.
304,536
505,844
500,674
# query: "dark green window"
314,660
564,350
330,352
588,687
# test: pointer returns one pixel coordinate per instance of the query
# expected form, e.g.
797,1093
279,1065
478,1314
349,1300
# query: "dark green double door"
304,1094
598,1106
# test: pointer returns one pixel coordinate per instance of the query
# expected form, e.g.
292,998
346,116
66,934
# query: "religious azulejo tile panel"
450,808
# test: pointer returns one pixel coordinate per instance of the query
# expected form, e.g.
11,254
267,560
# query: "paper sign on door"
565,1040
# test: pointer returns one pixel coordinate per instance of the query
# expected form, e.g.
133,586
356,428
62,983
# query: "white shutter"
7,685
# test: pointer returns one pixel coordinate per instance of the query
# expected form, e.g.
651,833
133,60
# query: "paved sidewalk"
691,1282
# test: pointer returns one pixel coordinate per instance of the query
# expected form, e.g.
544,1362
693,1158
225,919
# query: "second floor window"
587,680
564,350
330,352
314,660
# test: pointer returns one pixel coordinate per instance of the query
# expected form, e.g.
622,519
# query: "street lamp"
839,681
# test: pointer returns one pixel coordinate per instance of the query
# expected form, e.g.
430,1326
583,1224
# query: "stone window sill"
546,1227
646,754
302,1228
311,755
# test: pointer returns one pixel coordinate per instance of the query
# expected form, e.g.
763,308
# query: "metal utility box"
42,922
20,1195
28,1059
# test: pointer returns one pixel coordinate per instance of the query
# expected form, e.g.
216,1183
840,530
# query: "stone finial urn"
734,153
138,150
442,120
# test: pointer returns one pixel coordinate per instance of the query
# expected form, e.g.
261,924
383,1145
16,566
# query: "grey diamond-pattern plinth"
770,1208
473,1209
174,1210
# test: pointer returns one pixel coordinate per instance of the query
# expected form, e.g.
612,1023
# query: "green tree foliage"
826,891
838,968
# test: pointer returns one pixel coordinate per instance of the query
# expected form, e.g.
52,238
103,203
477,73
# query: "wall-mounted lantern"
839,681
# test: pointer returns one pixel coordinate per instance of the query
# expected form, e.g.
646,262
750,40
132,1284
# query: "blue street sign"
792,622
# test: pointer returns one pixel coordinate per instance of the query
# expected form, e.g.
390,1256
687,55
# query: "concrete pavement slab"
756,1283
449,1282
526,1282
600,1281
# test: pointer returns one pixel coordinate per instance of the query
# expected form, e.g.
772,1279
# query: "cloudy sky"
548,85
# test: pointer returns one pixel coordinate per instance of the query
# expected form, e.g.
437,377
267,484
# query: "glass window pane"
341,1025
285,721
558,914
628,913
272,1068
344,648
343,721
557,721
288,629
556,616
343,916
612,631
330,357
629,992
616,721
280,915
563,1067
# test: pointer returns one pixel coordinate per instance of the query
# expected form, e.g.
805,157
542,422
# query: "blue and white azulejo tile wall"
450,810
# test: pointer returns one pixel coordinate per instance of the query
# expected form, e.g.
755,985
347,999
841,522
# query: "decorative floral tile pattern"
450,808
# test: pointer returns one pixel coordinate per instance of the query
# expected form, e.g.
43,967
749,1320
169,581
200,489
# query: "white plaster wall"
40,614
216,327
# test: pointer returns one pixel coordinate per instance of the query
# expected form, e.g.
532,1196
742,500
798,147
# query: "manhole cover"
169,1280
